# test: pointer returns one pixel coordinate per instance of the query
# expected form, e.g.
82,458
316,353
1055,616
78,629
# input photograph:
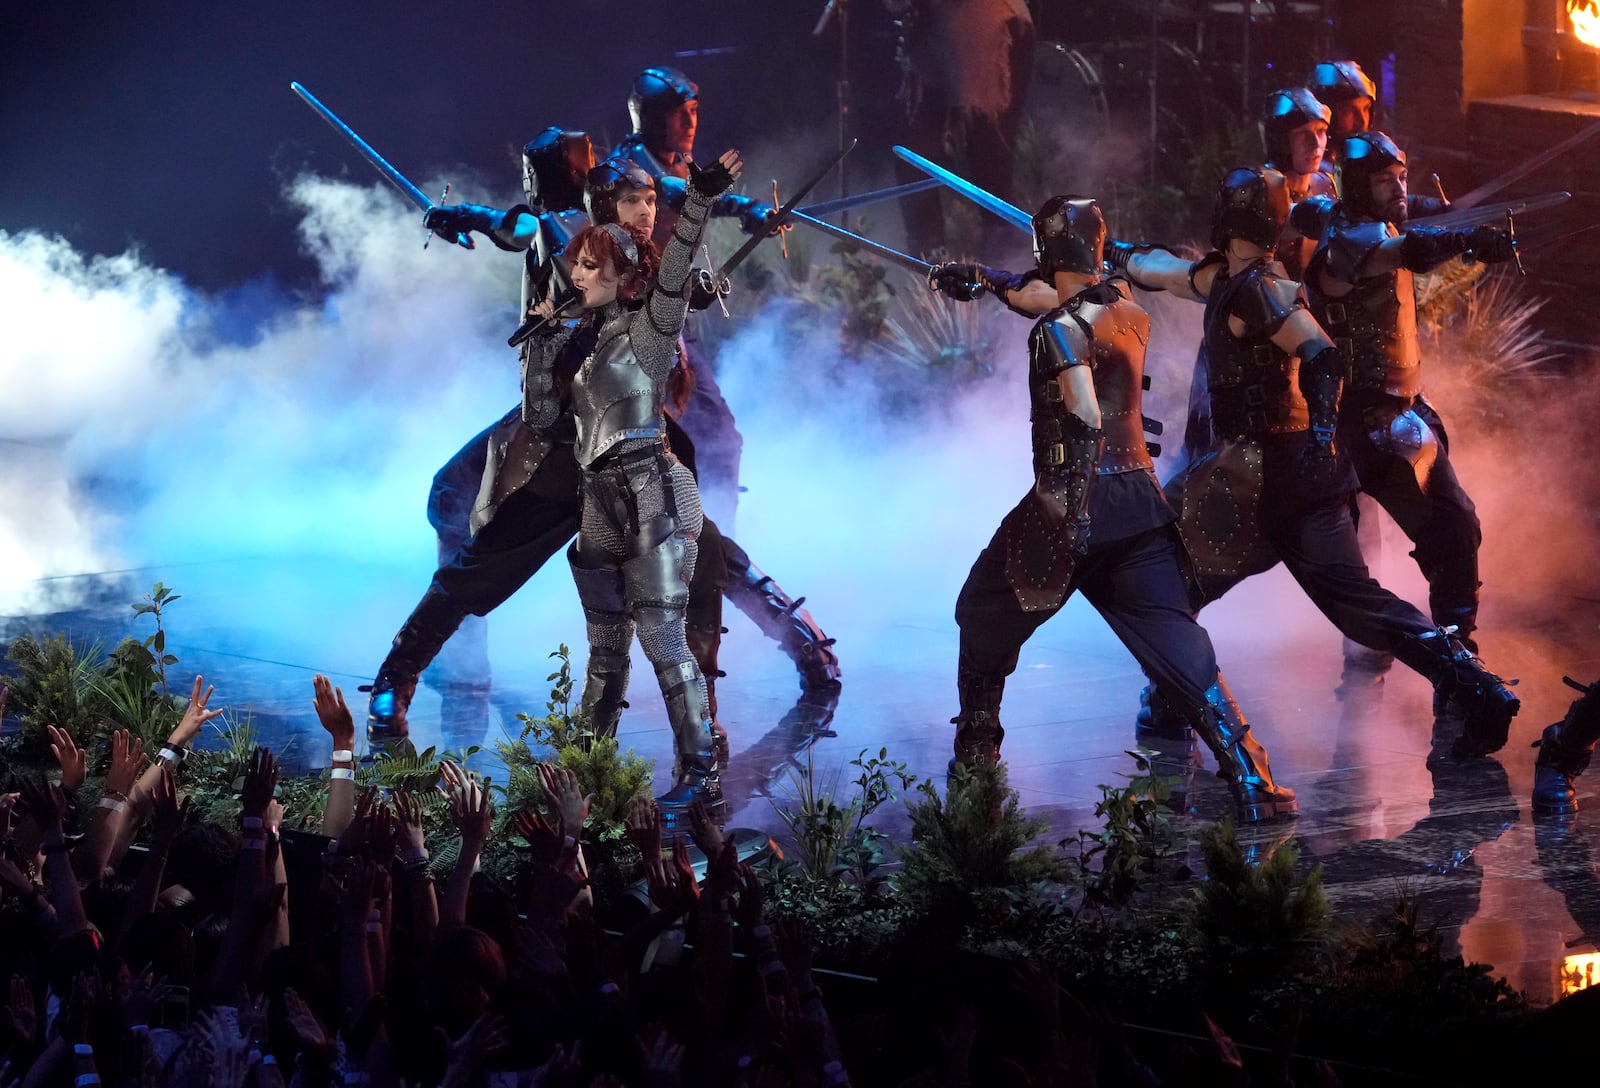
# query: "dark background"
170,125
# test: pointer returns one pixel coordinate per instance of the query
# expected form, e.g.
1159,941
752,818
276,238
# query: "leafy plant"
969,852
833,841
1255,922
1137,846
131,690
55,685
157,599
857,286
926,330
613,777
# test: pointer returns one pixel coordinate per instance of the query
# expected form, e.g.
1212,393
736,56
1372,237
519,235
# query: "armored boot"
1483,700
610,629
1564,752
418,642
605,685
1241,761
978,729
703,629
697,774
782,619
1161,729
1157,717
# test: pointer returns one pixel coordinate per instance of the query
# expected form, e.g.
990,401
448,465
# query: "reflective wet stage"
1506,889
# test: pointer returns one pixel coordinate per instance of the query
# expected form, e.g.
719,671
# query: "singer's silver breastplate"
613,399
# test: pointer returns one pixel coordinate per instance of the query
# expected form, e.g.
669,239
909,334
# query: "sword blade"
1517,173
395,177
783,214
874,196
1456,219
981,197
894,256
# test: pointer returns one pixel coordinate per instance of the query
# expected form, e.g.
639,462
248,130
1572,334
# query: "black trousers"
1434,512
530,526
1317,542
1139,585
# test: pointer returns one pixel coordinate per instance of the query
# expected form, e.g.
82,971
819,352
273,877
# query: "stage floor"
1504,888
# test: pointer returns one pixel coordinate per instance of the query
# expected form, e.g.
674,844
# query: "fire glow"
1585,18
1580,972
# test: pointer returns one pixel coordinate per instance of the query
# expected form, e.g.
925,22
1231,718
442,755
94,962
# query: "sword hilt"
1516,250
719,285
444,198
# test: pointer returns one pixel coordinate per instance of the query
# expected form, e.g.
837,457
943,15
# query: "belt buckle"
1055,455
1338,314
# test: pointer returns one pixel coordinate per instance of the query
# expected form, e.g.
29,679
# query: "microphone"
564,302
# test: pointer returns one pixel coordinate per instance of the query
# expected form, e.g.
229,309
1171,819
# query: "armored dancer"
1276,487
639,529
1359,284
664,105
1095,520
497,528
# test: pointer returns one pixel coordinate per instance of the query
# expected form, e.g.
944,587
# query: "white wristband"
252,823
83,1050
172,755
114,804
344,755
343,773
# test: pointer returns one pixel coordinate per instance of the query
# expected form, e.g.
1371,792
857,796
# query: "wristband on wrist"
82,1050
346,773
253,822
113,804
269,1059
357,1076
173,755
344,755
608,987
761,931
87,1080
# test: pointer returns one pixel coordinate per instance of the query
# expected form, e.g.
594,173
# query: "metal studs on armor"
1341,81
554,166
1252,205
1361,158
1286,111
606,183
1069,235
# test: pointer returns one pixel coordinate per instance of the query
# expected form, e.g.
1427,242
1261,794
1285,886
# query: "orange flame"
1585,17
